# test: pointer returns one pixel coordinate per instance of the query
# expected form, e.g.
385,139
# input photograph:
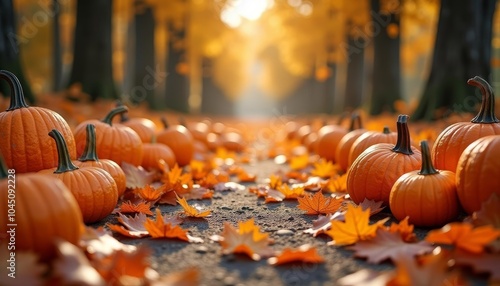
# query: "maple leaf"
137,177
191,211
355,228
247,239
73,267
374,206
299,162
337,184
304,253
464,236
245,177
404,229
123,264
293,192
388,245
29,270
129,207
160,229
98,243
199,193
325,169
272,196
488,214
134,225
275,181
318,204
150,194
481,263
320,225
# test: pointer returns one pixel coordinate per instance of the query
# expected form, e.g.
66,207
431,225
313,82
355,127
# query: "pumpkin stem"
4,171
89,153
16,90
355,119
65,164
427,166
386,130
403,143
487,112
115,111
164,122
123,116
182,121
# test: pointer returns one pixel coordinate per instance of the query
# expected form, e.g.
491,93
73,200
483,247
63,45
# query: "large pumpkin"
93,188
453,140
372,175
428,197
478,172
42,209
24,129
113,141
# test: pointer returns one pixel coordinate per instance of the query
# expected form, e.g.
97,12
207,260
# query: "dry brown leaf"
129,207
191,211
374,206
319,204
304,253
481,263
26,271
137,177
246,239
123,264
158,228
98,243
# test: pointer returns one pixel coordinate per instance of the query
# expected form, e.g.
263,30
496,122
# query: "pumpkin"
344,145
153,152
44,210
478,172
368,139
179,139
427,196
453,140
144,127
94,188
24,128
89,158
329,137
114,142
374,172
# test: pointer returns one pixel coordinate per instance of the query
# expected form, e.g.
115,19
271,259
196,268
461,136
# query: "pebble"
202,249
226,208
285,232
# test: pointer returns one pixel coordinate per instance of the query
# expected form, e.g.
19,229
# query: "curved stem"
16,90
4,171
427,166
123,116
487,112
386,130
115,111
89,153
164,122
355,118
65,164
403,143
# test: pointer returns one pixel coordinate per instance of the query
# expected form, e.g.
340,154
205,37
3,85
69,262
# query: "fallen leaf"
374,206
229,186
137,177
355,228
388,245
191,211
272,196
98,243
304,253
129,207
481,263
246,239
275,181
299,162
150,194
199,193
134,226
158,228
245,177
337,184
325,169
291,193
365,277
123,264
404,229
464,236
320,225
488,214
319,204
28,270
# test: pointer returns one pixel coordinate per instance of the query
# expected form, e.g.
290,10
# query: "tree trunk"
213,99
329,89
92,57
177,90
462,50
56,48
355,75
10,45
386,86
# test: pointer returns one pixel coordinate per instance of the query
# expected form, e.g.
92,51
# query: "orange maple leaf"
149,193
356,227
337,183
245,177
160,229
294,192
129,207
247,239
191,211
325,169
275,181
304,253
299,162
404,229
318,204
122,264
464,236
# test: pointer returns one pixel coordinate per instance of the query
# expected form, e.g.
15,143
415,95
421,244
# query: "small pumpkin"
344,146
153,152
93,188
179,139
368,139
374,172
329,137
44,210
89,158
24,128
114,142
453,140
478,172
427,196
144,127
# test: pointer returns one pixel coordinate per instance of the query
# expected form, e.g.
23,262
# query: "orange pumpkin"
153,152
478,172
368,139
24,128
329,137
144,127
93,188
179,139
89,158
453,140
115,142
427,196
44,210
372,175
344,146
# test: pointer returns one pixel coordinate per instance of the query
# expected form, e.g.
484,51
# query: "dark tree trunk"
308,98
355,74
329,89
57,49
386,86
213,99
92,57
462,50
177,90
10,45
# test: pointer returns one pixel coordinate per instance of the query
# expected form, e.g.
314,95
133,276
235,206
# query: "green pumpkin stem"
16,91
89,153
123,116
4,171
164,121
427,166
403,143
355,119
65,164
487,112
386,130
115,111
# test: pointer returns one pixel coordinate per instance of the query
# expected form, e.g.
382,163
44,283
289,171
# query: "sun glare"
235,11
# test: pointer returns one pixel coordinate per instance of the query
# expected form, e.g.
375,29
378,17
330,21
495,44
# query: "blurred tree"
57,64
177,90
10,43
462,50
92,57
